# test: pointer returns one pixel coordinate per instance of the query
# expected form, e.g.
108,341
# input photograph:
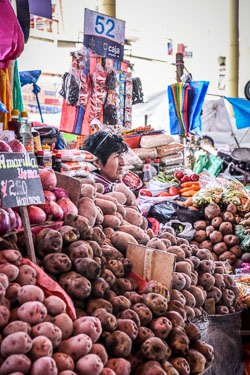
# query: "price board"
20,183
104,35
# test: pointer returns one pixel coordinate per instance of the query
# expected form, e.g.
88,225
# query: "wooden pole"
28,234
109,7
232,62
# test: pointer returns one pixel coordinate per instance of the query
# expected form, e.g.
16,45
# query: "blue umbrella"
31,77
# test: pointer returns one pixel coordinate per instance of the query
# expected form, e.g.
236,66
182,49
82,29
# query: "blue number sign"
104,35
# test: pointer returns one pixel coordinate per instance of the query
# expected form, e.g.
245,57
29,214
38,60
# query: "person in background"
108,149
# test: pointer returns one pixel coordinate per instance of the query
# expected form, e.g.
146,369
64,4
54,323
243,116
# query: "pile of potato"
216,234
199,282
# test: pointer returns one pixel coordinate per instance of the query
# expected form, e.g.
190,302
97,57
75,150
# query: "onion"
4,221
17,146
67,206
48,178
19,223
36,215
60,193
55,210
12,216
4,147
49,196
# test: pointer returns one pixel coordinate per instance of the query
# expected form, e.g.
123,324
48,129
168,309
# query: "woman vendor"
108,149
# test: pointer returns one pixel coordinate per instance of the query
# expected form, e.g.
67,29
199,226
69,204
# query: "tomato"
173,191
179,175
163,194
145,193
185,179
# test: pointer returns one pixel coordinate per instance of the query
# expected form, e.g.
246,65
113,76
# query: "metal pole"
232,62
109,7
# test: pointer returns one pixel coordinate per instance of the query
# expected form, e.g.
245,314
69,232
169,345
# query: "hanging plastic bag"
171,210
182,229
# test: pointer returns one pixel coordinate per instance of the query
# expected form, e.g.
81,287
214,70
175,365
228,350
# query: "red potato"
14,362
16,343
100,350
211,211
88,325
90,364
107,320
156,243
226,228
4,280
41,347
216,222
44,365
27,275
228,216
32,312
76,346
87,209
133,217
10,271
65,324
121,240
50,330
130,197
12,292
11,256
63,362
200,225
17,326
111,221
55,305
30,293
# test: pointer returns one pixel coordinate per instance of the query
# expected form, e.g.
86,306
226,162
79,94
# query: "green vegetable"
162,177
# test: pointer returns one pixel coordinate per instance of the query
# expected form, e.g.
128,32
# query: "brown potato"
183,267
129,314
200,235
128,326
192,332
198,295
119,366
222,310
118,344
178,296
175,318
200,225
169,236
178,281
216,237
120,303
178,251
76,285
144,333
168,368
178,307
98,303
108,321
227,256
196,361
211,211
195,260
190,313
216,222
12,291
209,230
219,281
226,228
134,297
228,216
181,365
57,263
205,349
228,297
190,300
122,285
154,348
204,254
236,250
207,244
214,293
154,286
157,303
100,350
220,248
88,268
231,240
188,281
143,312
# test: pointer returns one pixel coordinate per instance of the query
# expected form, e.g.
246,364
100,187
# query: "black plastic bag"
170,210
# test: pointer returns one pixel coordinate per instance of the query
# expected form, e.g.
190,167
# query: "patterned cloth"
108,186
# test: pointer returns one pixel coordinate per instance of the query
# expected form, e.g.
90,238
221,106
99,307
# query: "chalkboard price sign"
20,183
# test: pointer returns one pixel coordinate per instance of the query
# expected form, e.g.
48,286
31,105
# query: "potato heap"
199,282
216,234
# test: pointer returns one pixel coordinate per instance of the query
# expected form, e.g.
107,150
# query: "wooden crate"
71,185
152,264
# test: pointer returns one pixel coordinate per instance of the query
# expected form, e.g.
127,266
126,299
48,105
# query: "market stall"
95,279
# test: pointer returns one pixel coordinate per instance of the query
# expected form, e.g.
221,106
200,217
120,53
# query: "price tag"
20,183
104,35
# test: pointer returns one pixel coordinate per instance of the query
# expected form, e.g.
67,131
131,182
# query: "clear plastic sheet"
223,333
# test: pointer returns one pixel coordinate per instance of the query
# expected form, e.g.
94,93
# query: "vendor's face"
113,169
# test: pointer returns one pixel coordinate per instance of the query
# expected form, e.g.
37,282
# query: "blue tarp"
241,109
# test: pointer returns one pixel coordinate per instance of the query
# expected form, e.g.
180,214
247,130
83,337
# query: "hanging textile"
185,103
16,91
11,35
241,109
5,96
